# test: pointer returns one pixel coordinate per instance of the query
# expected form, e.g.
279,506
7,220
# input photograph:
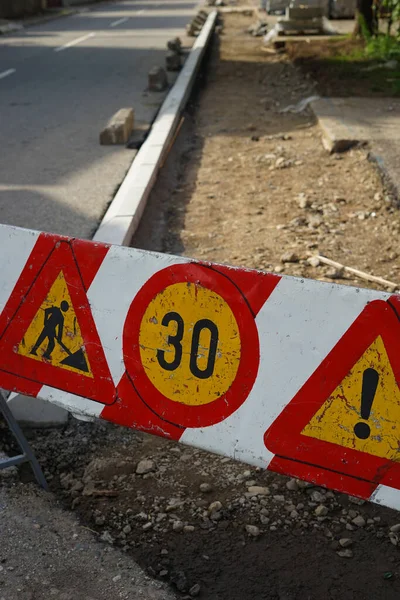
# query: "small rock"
335,273
163,573
145,466
187,457
313,261
106,537
253,530
289,257
127,529
214,506
279,498
304,202
395,528
315,221
280,162
206,488
180,580
359,521
258,490
292,485
177,526
299,222
147,526
321,511
345,542
188,529
195,590
316,496
345,553
394,538
216,515
116,578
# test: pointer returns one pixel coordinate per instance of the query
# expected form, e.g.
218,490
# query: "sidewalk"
372,120
9,26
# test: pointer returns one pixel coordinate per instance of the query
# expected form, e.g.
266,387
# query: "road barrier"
297,376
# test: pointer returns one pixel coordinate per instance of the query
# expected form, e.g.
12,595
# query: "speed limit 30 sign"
190,345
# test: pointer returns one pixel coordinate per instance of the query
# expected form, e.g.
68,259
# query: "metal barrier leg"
27,454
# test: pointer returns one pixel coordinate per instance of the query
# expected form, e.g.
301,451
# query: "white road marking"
74,42
5,74
119,22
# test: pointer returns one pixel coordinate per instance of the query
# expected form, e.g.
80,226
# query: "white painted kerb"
124,214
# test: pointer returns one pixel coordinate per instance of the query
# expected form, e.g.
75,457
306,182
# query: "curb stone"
123,216
336,136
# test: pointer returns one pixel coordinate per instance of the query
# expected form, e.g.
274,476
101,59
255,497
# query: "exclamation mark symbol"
369,385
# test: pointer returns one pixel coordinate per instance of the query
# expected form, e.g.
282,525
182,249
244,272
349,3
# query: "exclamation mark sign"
369,386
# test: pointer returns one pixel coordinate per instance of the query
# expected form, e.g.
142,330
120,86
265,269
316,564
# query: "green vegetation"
366,63
382,47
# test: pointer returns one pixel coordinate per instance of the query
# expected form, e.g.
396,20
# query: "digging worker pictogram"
52,329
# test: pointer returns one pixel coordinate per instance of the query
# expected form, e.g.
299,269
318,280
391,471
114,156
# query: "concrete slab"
372,120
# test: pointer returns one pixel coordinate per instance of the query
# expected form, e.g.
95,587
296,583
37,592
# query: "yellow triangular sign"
363,413
54,335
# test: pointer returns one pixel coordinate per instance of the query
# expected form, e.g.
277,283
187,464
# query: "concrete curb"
123,216
387,178
336,135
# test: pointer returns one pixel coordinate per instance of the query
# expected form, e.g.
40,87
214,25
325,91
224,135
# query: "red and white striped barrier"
297,376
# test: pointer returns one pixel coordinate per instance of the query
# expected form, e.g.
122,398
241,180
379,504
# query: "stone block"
304,13
119,128
173,61
199,20
158,81
175,45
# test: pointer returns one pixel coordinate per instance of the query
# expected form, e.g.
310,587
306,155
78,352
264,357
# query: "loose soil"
248,185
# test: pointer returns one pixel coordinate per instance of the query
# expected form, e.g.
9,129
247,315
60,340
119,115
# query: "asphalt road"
59,84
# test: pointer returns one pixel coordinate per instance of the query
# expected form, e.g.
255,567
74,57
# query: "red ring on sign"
175,412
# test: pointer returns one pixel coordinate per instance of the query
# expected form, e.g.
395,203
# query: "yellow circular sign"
190,344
